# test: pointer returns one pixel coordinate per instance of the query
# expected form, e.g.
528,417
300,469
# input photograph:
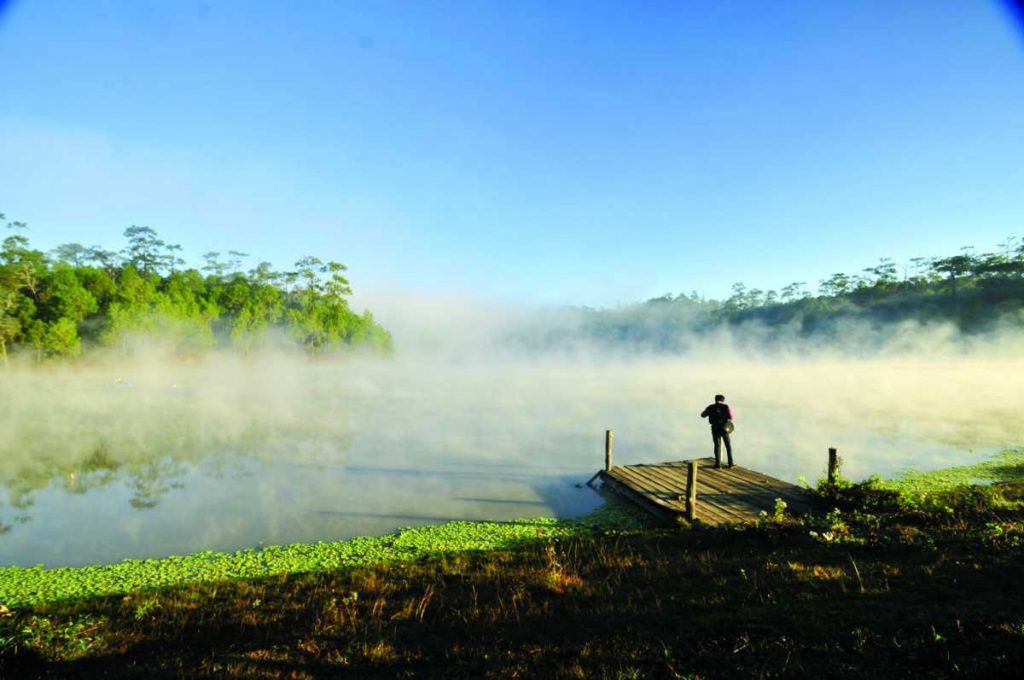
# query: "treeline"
55,304
974,291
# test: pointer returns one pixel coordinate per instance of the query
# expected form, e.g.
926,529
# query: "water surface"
101,464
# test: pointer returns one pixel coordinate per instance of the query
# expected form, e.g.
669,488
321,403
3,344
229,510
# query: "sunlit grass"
36,585
885,585
1007,466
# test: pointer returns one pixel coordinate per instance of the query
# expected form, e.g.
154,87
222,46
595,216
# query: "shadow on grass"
767,601
1008,473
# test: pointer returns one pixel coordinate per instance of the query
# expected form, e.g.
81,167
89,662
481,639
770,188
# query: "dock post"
691,490
607,450
833,464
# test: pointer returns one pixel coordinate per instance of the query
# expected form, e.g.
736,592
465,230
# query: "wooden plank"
762,499
742,502
773,487
760,478
704,462
635,478
725,506
632,494
629,494
710,479
673,475
739,511
672,483
726,514
662,485
676,482
639,485
708,506
713,507
733,502
725,495
730,486
712,515
673,491
631,490
746,505
639,500
791,493
735,484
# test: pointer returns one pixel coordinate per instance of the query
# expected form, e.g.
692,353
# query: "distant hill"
973,293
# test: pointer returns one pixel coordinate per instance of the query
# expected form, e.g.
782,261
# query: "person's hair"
719,397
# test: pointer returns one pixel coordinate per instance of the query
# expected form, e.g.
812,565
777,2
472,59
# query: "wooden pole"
607,456
607,450
691,490
833,463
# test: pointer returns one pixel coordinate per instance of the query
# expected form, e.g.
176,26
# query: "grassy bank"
884,584
38,585
1007,466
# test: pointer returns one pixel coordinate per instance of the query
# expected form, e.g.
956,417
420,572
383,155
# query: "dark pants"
719,435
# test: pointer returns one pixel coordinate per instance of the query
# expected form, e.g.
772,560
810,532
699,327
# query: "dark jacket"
717,414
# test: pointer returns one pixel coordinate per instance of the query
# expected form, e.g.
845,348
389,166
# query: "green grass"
919,594
879,583
20,586
1007,466
37,585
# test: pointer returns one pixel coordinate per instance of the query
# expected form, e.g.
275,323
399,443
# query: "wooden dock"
695,490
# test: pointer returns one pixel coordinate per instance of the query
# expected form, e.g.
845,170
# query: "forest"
74,298
975,292
59,304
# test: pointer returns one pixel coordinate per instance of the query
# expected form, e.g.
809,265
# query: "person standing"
720,416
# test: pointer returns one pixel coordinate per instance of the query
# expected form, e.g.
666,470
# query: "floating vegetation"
1007,466
20,586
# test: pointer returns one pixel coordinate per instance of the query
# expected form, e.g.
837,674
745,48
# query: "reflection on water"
177,459
210,505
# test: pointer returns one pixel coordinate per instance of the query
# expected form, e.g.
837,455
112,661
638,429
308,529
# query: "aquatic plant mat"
39,585
1005,467
875,587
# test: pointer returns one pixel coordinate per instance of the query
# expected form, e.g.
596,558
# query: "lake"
153,458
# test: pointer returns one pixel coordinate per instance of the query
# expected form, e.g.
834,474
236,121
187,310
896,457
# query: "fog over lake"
153,456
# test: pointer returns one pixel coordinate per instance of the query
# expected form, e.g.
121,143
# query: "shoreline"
888,582
41,585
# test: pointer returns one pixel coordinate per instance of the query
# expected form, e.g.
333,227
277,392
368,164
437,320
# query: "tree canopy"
61,303
973,291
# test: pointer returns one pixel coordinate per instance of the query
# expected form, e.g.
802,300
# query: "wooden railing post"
691,490
607,450
833,463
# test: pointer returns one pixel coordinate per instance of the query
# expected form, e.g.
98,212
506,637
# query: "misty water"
155,458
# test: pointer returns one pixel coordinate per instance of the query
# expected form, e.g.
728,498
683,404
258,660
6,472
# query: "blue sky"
551,152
